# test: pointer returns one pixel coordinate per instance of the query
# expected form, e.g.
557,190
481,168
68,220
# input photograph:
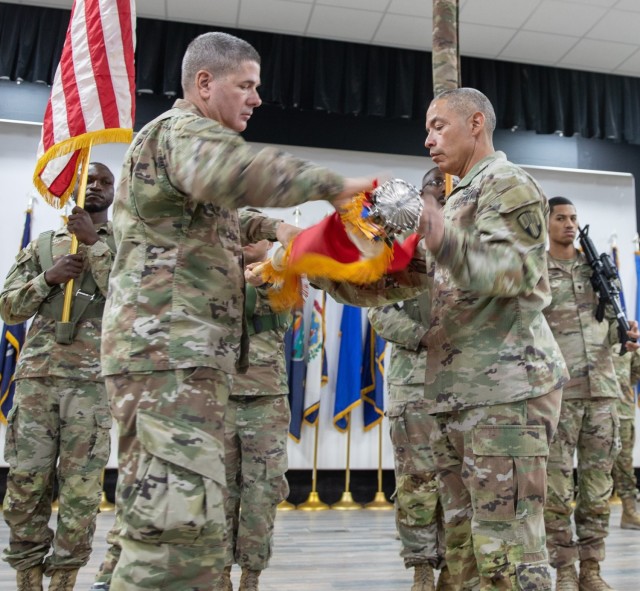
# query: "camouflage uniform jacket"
585,343
176,289
24,292
488,341
627,368
404,325
267,373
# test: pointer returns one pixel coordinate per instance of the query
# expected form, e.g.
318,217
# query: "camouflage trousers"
491,462
171,478
57,426
255,440
590,428
624,476
417,500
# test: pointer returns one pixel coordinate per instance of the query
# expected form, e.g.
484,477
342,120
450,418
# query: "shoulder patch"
531,223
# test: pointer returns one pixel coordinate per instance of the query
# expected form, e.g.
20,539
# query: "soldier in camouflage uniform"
624,478
60,413
174,321
588,418
417,501
494,371
255,438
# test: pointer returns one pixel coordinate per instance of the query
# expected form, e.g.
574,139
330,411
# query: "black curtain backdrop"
347,78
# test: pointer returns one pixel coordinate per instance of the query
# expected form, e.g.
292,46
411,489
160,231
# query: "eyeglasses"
435,183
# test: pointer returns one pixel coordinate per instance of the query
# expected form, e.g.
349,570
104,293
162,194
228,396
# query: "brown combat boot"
222,582
630,517
249,580
29,579
63,579
423,578
590,579
567,579
445,581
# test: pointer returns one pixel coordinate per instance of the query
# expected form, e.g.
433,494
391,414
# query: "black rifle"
603,280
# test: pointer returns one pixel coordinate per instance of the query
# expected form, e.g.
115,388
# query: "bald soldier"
174,324
59,424
494,371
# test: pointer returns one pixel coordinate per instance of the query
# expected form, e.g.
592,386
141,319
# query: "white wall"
606,201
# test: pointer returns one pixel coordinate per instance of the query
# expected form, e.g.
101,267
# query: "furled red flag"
296,369
372,379
11,343
317,374
92,98
349,363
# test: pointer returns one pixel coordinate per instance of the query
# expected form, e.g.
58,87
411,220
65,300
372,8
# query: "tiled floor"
350,551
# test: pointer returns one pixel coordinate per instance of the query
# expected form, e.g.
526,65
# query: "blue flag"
372,379
296,367
349,363
10,345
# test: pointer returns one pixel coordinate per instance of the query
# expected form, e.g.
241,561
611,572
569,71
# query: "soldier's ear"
477,123
203,82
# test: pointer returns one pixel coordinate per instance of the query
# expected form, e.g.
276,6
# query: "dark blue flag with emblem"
11,344
372,378
296,369
349,364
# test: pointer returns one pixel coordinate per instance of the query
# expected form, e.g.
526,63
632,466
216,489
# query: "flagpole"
346,503
313,502
379,502
68,288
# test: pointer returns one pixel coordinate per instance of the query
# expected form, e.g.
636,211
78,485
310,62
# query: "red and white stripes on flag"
93,94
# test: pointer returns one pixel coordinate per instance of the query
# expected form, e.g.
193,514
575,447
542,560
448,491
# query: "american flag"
92,98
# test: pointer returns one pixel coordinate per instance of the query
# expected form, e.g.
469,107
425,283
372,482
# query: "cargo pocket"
100,446
10,448
177,495
534,576
509,473
276,468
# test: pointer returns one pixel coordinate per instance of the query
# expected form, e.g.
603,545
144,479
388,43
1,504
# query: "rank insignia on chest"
531,223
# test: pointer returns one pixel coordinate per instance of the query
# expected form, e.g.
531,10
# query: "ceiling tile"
563,18
601,55
411,7
483,41
631,66
632,5
274,15
151,8
404,31
540,48
343,23
375,5
603,3
51,3
500,13
616,25
222,12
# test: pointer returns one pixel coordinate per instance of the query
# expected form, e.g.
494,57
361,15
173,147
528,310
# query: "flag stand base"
346,503
313,503
614,499
379,503
105,505
286,506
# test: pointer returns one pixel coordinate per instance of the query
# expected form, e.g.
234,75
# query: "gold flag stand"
313,502
286,506
105,505
346,503
379,502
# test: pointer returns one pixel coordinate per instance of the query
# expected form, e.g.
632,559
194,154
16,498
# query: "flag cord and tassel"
68,288
346,502
379,502
313,502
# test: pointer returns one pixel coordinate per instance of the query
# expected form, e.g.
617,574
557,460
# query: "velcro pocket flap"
510,440
180,443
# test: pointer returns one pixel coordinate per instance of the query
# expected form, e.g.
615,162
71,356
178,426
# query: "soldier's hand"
81,225
253,274
285,233
353,186
432,224
66,267
633,334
